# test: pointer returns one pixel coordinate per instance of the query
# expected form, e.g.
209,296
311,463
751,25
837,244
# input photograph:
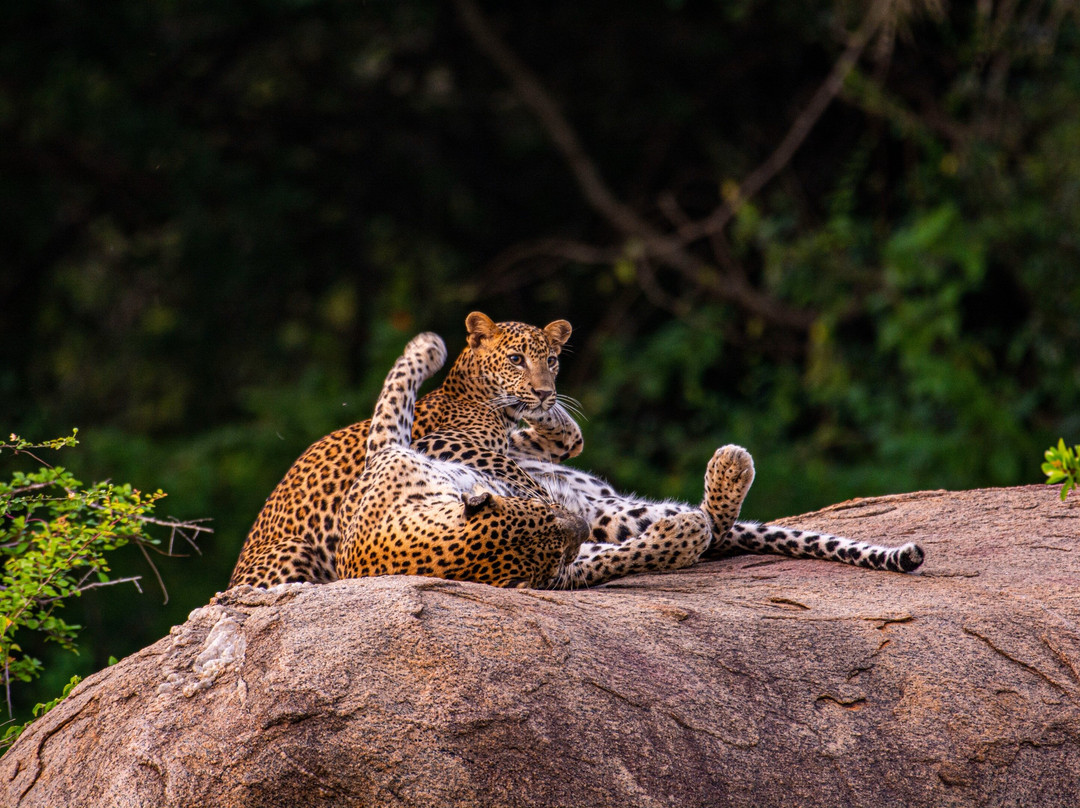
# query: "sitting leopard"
476,520
505,372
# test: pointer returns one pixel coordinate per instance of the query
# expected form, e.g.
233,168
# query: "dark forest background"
845,235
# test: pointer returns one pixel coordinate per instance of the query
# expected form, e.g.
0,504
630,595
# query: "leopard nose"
544,394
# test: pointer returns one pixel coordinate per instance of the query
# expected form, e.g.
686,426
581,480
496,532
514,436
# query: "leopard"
505,373
471,518
630,534
623,525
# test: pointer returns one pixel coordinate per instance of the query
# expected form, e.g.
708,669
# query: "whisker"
571,405
568,400
503,401
562,414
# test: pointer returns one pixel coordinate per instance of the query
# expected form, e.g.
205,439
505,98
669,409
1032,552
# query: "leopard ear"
558,332
474,503
480,328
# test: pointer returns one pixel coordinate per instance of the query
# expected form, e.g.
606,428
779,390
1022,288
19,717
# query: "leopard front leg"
551,435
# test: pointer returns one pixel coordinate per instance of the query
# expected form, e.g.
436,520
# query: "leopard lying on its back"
631,533
621,524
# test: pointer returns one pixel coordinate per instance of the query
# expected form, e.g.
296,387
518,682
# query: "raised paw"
727,481
428,350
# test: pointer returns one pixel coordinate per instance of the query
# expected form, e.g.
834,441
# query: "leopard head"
510,365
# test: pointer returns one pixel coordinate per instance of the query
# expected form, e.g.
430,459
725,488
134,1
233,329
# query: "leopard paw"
727,481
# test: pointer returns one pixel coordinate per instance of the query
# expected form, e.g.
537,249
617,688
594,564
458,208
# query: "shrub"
55,534
1062,466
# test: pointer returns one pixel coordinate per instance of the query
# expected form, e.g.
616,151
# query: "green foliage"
55,534
12,733
1062,466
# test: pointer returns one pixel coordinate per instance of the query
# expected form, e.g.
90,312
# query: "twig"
670,207
86,587
192,524
175,526
504,280
7,682
18,492
157,574
646,278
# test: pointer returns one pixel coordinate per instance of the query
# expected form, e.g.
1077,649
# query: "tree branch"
503,279
536,98
671,250
803,125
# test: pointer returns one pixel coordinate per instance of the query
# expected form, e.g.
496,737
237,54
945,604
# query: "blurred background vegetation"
844,235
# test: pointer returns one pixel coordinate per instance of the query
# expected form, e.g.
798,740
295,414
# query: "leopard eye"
552,361
516,359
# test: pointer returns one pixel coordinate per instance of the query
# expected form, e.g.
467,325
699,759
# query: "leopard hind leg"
728,478
632,535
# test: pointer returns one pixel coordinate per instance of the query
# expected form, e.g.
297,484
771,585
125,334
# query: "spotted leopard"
469,519
506,371
620,520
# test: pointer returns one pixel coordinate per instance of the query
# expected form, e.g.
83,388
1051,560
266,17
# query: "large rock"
751,681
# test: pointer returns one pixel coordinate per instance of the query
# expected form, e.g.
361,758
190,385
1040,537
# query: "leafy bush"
55,533
1062,466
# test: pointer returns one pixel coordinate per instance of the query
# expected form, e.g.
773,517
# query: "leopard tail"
788,541
392,422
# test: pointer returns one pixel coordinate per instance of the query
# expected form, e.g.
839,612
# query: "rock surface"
751,681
